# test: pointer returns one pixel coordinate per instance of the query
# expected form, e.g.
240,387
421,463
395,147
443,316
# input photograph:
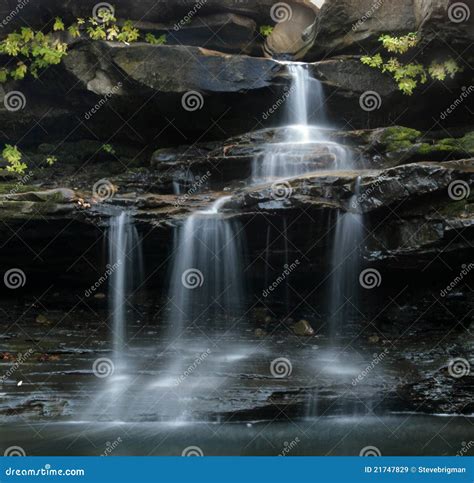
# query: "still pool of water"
391,435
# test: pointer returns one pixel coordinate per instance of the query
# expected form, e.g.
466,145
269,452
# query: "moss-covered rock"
397,138
460,147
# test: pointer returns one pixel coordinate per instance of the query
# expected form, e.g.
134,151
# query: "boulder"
293,37
350,26
445,21
226,32
38,14
302,327
354,26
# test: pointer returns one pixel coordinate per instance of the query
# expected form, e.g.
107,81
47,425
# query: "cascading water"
206,283
345,265
126,260
304,146
125,266
205,300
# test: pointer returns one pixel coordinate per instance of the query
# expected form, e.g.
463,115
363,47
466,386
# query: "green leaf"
58,24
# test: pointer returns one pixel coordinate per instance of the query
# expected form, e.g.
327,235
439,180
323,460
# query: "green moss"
398,137
463,146
10,188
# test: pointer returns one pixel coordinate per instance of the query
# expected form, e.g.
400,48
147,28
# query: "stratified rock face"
40,13
353,26
345,25
445,21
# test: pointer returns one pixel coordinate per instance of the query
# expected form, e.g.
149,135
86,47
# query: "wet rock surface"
401,367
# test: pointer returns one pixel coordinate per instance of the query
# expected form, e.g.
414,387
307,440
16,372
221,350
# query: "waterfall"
126,260
125,269
206,282
345,266
207,264
306,98
303,147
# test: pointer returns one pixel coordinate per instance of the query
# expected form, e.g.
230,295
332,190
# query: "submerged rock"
302,327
